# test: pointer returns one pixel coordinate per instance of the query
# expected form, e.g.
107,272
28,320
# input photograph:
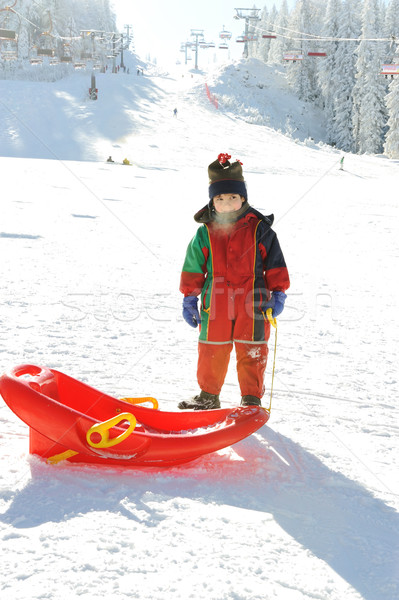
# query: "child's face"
225,203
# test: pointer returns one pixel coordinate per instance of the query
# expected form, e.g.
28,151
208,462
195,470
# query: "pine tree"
262,45
391,30
369,92
349,27
327,76
273,16
391,146
301,75
279,45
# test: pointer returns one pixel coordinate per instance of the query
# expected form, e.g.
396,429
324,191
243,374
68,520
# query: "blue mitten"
276,303
190,310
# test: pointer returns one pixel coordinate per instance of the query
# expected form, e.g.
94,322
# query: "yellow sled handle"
153,401
272,321
103,430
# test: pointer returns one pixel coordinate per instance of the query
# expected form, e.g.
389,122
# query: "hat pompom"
224,158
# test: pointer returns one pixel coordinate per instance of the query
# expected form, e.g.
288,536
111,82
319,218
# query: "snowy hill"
91,256
260,94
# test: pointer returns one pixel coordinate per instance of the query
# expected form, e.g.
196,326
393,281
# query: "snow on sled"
72,421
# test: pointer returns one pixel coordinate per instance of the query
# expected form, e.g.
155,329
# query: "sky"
160,26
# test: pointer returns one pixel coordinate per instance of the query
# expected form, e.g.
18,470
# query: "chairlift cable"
313,37
25,19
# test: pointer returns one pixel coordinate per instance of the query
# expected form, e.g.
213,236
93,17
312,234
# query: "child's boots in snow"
204,401
250,401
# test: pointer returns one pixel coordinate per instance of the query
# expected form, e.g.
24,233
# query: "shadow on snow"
333,517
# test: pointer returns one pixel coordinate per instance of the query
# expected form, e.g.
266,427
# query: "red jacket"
234,267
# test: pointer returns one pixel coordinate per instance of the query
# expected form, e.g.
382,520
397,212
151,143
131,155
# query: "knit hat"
226,177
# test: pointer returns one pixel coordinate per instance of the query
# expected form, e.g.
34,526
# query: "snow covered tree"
369,92
329,84
391,30
391,146
272,27
279,45
262,45
301,75
345,69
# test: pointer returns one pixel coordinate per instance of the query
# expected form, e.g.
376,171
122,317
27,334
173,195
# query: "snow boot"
250,401
204,401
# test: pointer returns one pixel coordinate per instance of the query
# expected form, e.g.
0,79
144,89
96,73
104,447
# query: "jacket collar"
207,214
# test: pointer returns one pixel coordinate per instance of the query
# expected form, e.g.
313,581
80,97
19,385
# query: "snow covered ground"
306,508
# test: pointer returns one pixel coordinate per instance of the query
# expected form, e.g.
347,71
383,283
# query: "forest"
334,53
57,31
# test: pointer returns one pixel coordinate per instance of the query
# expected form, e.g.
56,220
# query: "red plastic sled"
72,421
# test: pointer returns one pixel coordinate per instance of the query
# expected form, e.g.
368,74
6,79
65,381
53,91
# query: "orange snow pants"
213,361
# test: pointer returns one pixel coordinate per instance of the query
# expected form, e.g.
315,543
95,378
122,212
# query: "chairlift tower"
114,69
184,47
198,34
125,45
250,15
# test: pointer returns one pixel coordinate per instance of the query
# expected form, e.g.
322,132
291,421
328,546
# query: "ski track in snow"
306,508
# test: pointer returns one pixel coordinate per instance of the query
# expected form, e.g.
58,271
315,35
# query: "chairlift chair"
8,34
9,54
293,56
225,35
45,52
390,70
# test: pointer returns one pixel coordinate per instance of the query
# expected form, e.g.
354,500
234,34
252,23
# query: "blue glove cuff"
190,301
280,296
279,300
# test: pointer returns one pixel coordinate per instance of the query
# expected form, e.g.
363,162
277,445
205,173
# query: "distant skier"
109,159
341,164
175,112
235,262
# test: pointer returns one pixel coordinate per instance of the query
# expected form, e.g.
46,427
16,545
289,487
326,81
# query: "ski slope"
304,509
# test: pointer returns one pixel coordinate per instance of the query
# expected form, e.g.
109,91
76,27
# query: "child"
235,262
